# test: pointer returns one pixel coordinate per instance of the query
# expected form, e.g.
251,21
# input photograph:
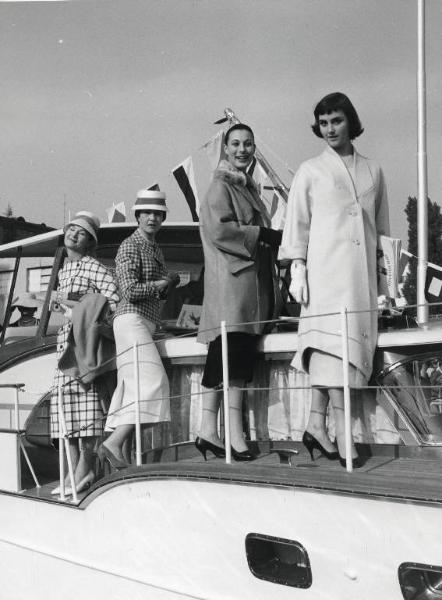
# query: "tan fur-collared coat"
239,270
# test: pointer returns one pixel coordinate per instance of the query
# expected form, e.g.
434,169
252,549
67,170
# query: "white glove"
298,286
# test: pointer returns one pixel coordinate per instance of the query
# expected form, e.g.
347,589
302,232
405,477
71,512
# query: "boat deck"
402,474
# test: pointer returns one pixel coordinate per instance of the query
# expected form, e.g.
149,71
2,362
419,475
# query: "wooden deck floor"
404,476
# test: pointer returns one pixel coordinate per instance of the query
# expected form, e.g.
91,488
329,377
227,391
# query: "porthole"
420,581
278,560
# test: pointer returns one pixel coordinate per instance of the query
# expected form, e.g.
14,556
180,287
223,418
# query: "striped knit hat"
150,200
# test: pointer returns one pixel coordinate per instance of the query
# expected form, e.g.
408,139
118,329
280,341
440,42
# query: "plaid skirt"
83,410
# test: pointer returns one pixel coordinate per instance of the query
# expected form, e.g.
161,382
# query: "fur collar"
227,172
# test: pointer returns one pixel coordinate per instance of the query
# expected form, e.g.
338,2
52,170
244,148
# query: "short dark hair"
236,127
137,214
338,101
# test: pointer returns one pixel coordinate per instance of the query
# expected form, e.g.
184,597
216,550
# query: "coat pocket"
236,264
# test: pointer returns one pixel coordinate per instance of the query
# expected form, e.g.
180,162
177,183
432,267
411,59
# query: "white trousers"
154,385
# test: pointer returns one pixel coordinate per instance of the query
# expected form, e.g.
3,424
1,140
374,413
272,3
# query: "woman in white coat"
337,207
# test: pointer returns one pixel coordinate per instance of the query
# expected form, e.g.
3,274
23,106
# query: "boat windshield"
415,387
29,273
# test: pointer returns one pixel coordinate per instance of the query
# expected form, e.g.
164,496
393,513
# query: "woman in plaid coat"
81,274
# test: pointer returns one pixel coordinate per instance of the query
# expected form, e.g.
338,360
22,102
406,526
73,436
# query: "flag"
404,266
433,283
270,195
388,254
278,211
215,149
185,177
117,213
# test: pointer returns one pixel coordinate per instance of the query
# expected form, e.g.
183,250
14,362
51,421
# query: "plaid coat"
139,263
83,410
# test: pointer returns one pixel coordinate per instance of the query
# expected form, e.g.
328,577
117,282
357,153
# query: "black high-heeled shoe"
311,443
116,463
357,462
243,456
203,445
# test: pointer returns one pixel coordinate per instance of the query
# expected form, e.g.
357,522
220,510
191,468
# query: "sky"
102,98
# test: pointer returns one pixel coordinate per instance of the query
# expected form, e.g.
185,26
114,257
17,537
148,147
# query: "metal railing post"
346,385
137,407
63,440
60,446
17,427
225,359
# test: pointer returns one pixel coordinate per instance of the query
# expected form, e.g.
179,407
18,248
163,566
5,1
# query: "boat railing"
392,388
11,443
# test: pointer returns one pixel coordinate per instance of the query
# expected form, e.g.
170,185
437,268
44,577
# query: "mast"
278,184
422,203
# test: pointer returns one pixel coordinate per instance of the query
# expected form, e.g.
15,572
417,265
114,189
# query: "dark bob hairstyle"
137,215
338,101
235,128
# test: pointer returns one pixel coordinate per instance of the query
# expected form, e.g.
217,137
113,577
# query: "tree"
434,245
8,211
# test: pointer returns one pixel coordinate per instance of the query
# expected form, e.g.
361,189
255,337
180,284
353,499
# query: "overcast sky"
101,98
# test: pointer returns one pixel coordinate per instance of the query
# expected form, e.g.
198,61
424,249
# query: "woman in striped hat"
143,281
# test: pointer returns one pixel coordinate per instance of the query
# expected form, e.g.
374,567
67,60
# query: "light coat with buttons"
239,276
333,220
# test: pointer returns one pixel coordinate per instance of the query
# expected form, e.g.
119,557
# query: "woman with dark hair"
143,282
336,209
81,274
239,285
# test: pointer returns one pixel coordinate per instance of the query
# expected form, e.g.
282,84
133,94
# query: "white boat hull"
175,538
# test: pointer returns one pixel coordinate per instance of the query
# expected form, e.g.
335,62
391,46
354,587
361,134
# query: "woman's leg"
75,457
117,439
85,460
317,419
209,420
337,402
236,422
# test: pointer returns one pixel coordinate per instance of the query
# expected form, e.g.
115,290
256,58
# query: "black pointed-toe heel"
203,445
357,462
105,454
311,443
243,456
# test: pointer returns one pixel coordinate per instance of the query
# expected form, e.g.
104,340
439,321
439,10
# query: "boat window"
18,281
415,388
420,581
182,309
38,278
278,560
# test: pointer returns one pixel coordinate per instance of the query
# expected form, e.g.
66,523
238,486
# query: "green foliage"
434,245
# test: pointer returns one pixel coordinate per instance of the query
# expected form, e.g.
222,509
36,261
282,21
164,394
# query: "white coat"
332,222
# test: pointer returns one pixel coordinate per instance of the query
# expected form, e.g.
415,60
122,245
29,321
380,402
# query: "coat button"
364,334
